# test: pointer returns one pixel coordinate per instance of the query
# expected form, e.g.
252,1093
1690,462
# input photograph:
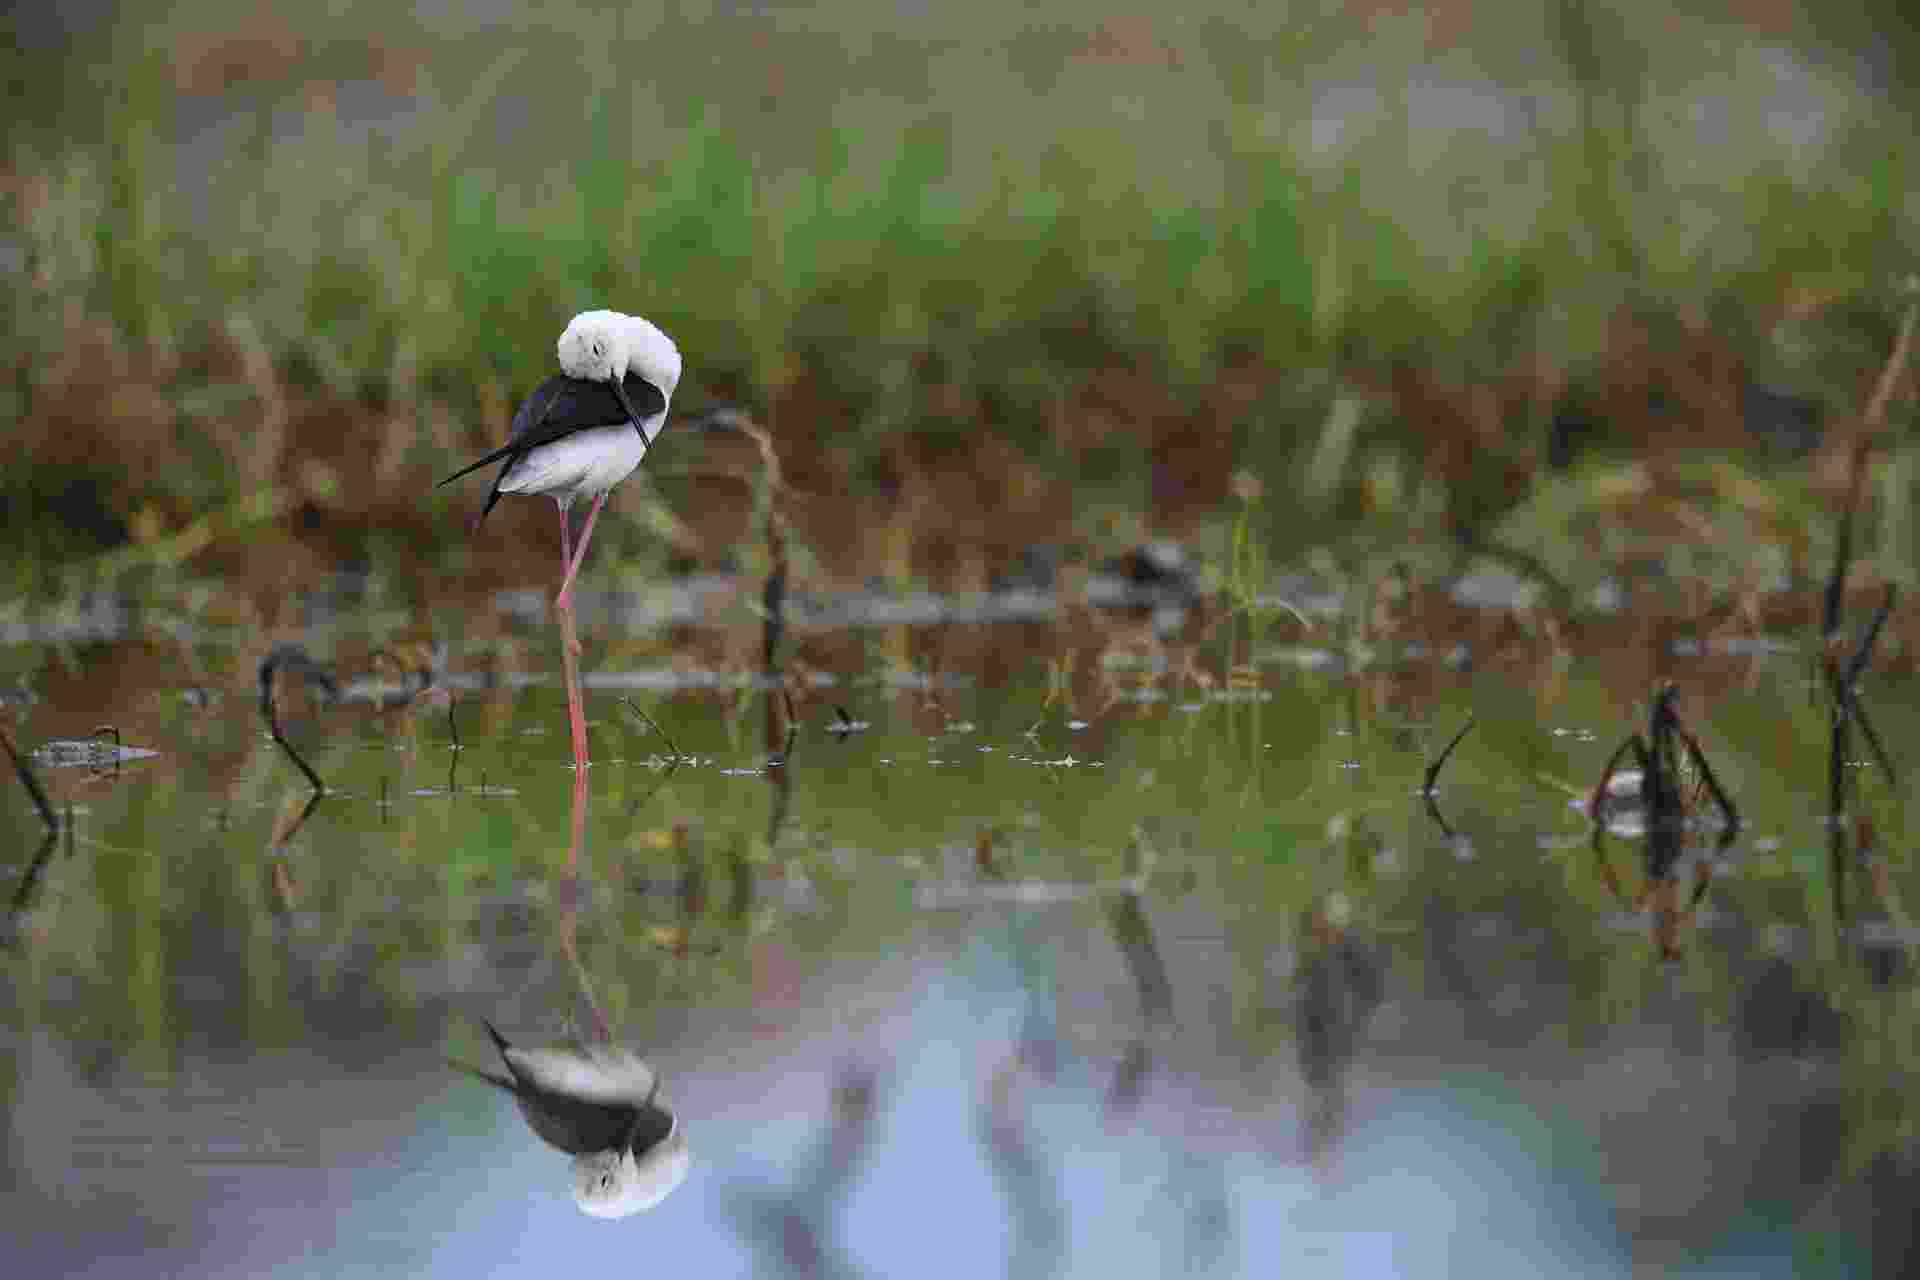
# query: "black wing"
559,407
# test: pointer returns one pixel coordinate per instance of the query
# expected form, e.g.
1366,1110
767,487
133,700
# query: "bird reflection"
602,1106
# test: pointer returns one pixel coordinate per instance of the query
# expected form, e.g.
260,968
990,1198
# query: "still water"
1011,967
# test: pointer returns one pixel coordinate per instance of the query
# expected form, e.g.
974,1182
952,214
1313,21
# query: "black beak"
627,404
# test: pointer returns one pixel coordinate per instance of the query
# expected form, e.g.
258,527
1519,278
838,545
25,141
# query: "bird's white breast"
583,465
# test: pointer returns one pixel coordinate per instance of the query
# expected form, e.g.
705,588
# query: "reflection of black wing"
558,408
574,1125
651,1127
569,1124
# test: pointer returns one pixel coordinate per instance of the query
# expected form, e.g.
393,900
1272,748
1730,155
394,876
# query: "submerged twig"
1857,664
773,601
1835,595
1846,711
453,753
1849,692
777,772
674,758
844,726
292,657
1838,738
27,779
1843,690
1439,818
30,884
1883,388
673,761
1844,707
285,831
1433,770
791,731
1659,754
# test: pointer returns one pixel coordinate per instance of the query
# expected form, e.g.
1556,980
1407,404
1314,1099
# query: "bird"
569,438
581,432
601,1105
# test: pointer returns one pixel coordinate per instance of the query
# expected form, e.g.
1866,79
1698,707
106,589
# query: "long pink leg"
569,649
565,599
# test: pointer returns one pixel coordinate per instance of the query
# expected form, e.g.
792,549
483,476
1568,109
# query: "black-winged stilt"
580,433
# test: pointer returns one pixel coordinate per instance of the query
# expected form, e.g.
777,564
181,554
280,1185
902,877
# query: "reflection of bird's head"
617,1183
605,346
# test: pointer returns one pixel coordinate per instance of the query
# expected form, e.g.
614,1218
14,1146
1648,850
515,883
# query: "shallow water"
1113,972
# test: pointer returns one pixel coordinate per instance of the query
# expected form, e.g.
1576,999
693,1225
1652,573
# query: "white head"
617,1184
605,346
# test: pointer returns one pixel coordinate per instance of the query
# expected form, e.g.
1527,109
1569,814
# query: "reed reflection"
792,1229
1338,986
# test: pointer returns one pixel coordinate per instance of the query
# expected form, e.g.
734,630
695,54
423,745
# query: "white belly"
583,465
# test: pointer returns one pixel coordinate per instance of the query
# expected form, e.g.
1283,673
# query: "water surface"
1037,965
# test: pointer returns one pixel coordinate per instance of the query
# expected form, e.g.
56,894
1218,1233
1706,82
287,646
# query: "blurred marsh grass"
323,254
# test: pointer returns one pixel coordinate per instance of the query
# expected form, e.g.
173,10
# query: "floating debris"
844,726
87,753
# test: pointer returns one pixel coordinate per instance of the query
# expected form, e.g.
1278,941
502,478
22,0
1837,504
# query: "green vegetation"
314,262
